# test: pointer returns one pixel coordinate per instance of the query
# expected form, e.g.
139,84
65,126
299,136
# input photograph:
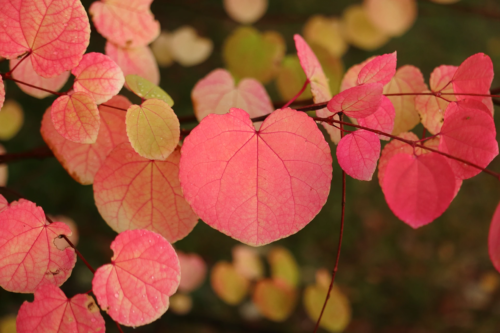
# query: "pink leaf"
418,189
393,148
3,203
126,24
494,239
132,192
52,311
357,102
468,133
99,76
144,272
379,70
28,256
2,92
473,76
382,119
193,271
83,160
57,33
76,117
216,93
256,187
358,153
138,60
350,78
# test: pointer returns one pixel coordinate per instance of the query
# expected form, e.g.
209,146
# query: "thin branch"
37,153
297,95
9,73
8,77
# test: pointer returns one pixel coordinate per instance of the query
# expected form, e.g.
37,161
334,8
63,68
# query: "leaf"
393,17
181,304
357,102
3,203
98,76
193,271
76,117
82,161
229,285
327,33
153,129
147,90
246,183
247,262
274,299
248,53
3,169
132,192
25,72
138,60
56,33
51,311
8,324
474,75
418,189
284,268
2,92
468,133
360,31
144,272
126,24
494,239
245,11
28,256
350,78
408,79
189,49
217,93
382,119
161,49
11,119
332,67
379,70
358,153
61,243
393,148
291,78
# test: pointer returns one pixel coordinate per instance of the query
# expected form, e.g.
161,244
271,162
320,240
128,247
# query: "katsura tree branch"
37,153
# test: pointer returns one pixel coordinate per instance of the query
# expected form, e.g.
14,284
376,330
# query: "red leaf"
144,272
3,203
350,78
494,239
393,148
52,311
382,119
57,33
468,133
357,102
379,70
261,186
358,153
28,256
132,192
418,189
474,76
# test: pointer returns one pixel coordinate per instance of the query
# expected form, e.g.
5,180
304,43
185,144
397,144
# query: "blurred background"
391,278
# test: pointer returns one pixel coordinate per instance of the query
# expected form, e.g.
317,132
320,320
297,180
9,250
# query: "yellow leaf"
11,119
327,33
283,266
291,78
228,284
274,299
147,90
360,31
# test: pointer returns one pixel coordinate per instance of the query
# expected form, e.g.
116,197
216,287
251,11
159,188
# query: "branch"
37,153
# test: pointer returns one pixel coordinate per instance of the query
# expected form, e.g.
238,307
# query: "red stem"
8,77
9,73
297,95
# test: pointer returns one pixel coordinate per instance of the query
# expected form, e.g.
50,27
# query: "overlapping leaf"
393,148
357,102
291,78
137,60
228,283
132,192
382,119
283,266
274,299
144,272
52,311
474,76
380,69
358,153
147,90
261,186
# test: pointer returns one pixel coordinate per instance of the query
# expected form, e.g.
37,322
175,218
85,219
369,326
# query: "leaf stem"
38,153
9,73
8,77
297,95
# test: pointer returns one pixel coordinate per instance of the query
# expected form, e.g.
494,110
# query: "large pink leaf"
138,60
76,117
379,70
52,311
3,203
125,23
474,76
83,160
261,186
382,119
98,75
216,93
358,153
2,92
144,272
57,33
132,192
28,256
494,239
468,133
393,148
25,72
357,102
418,189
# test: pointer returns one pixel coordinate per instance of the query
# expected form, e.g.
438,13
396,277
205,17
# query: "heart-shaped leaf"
379,70
147,90
137,60
358,153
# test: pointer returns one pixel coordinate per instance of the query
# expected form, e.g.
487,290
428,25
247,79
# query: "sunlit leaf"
11,119
193,271
161,49
360,31
247,262
382,119
291,78
357,102
473,76
144,272
393,148
189,49
28,256
132,192
138,60
333,67
327,33
381,69
350,78
147,90
274,299
245,183
245,11
393,17
228,284
52,311
358,153
283,266
153,129
56,33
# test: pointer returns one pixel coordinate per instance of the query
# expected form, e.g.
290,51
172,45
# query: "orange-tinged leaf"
52,311
132,192
127,24
28,256
147,90
327,33
245,11
247,262
137,60
56,33
189,49
360,31
76,117
144,272
393,17
99,76
228,283
83,160
153,129
283,266
274,299
11,119
193,271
